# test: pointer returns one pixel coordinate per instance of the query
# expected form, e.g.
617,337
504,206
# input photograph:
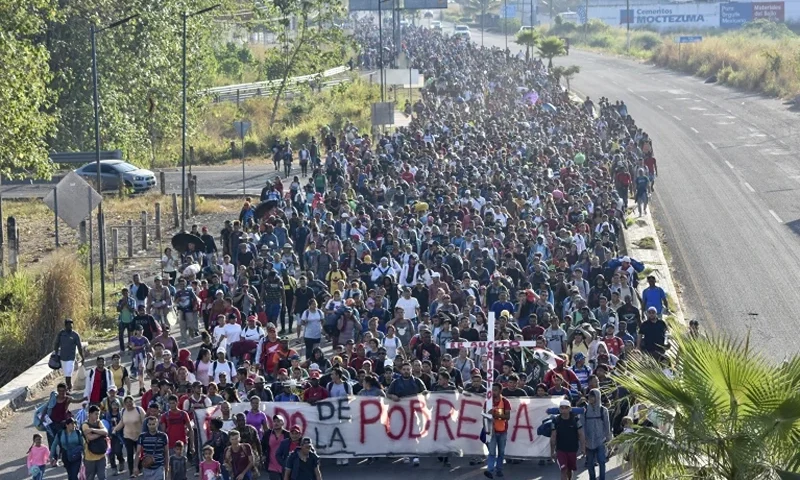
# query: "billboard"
424,4
734,15
368,5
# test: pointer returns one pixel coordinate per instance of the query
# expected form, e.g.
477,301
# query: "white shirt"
409,306
233,332
391,345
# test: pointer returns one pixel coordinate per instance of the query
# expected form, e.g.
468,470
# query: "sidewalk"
642,243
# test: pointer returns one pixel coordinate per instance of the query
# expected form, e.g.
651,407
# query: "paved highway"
727,195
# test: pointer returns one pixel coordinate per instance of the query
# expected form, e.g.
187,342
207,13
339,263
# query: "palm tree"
723,411
474,7
550,47
529,38
570,72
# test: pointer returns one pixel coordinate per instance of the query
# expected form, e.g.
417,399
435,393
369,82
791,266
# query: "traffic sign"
73,199
242,127
508,11
689,39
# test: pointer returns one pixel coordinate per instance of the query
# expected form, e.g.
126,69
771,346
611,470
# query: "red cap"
296,429
283,371
476,371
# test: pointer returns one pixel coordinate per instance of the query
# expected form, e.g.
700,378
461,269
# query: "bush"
33,306
648,41
601,41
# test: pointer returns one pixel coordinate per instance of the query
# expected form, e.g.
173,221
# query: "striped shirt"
153,444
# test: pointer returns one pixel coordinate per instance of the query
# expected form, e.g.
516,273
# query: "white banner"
671,16
426,425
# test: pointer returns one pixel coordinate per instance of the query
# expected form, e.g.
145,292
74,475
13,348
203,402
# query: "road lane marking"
676,118
694,130
775,216
712,145
750,187
729,164
630,90
660,107
643,97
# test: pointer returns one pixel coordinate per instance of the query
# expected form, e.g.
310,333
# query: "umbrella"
263,208
182,240
548,107
532,97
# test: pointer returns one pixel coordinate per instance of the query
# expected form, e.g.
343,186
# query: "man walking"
598,433
566,440
500,412
67,343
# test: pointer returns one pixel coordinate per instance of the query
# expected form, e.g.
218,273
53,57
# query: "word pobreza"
432,424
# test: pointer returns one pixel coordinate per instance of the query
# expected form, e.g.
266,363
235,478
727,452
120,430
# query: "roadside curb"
15,392
643,244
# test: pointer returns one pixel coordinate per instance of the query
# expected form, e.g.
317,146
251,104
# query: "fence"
237,93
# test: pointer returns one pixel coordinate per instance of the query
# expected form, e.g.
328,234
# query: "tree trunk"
549,62
527,54
298,45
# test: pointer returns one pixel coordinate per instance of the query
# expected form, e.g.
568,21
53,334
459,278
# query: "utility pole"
96,101
380,46
184,202
505,21
627,25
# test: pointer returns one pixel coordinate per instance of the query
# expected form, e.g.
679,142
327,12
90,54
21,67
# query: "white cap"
314,367
388,363
626,259
564,403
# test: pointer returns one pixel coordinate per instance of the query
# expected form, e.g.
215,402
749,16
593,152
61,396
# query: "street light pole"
184,200
96,101
380,47
505,21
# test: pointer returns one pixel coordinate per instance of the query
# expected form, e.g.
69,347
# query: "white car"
462,31
436,25
133,177
525,28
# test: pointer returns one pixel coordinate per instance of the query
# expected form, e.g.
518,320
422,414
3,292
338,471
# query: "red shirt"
315,394
565,373
650,163
174,425
614,344
624,178
97,387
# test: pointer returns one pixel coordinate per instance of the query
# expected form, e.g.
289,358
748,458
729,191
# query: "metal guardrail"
84,157
236,93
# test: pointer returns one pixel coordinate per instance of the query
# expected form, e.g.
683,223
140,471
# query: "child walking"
210,469
38,455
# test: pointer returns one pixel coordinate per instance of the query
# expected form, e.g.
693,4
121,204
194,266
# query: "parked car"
135,178
436,25
525,28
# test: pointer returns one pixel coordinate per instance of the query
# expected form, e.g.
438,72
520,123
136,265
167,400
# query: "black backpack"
99,445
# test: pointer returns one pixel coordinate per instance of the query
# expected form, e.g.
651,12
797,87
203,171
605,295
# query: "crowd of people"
502,196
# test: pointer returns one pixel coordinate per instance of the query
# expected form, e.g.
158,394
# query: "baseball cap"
564,403
283,371
314,368
296,429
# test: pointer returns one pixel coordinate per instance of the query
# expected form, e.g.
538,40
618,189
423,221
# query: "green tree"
307,45
139,67
724,413
26,115
529,38
550,47
569,73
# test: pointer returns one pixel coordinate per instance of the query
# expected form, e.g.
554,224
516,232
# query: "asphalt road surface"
727,194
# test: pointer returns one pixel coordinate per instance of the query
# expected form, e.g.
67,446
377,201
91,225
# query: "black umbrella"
181,241
263,208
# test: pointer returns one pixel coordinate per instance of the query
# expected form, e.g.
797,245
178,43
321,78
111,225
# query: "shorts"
652,178
68,366
567,460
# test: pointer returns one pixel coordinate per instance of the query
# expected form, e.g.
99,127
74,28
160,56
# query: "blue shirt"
654,297
153,444
498,307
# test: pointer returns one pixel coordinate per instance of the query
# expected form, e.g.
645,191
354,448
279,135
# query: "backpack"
71,454
99,445
214,367
547,426
347,388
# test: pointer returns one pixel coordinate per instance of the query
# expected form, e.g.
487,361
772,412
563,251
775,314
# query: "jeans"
123,340
153,474
40,476
310,344
130,453
73,469
116,452
188,324
497,450
273,312
596,455
95,469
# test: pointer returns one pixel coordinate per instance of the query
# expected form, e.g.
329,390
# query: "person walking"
154,451
38,456
130,425
303,463
567,440
67,343
70,445
598,433
501,413
96,443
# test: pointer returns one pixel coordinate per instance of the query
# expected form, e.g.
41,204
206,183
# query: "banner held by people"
426,425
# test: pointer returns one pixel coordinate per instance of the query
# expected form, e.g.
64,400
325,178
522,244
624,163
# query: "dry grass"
33,306
746,61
